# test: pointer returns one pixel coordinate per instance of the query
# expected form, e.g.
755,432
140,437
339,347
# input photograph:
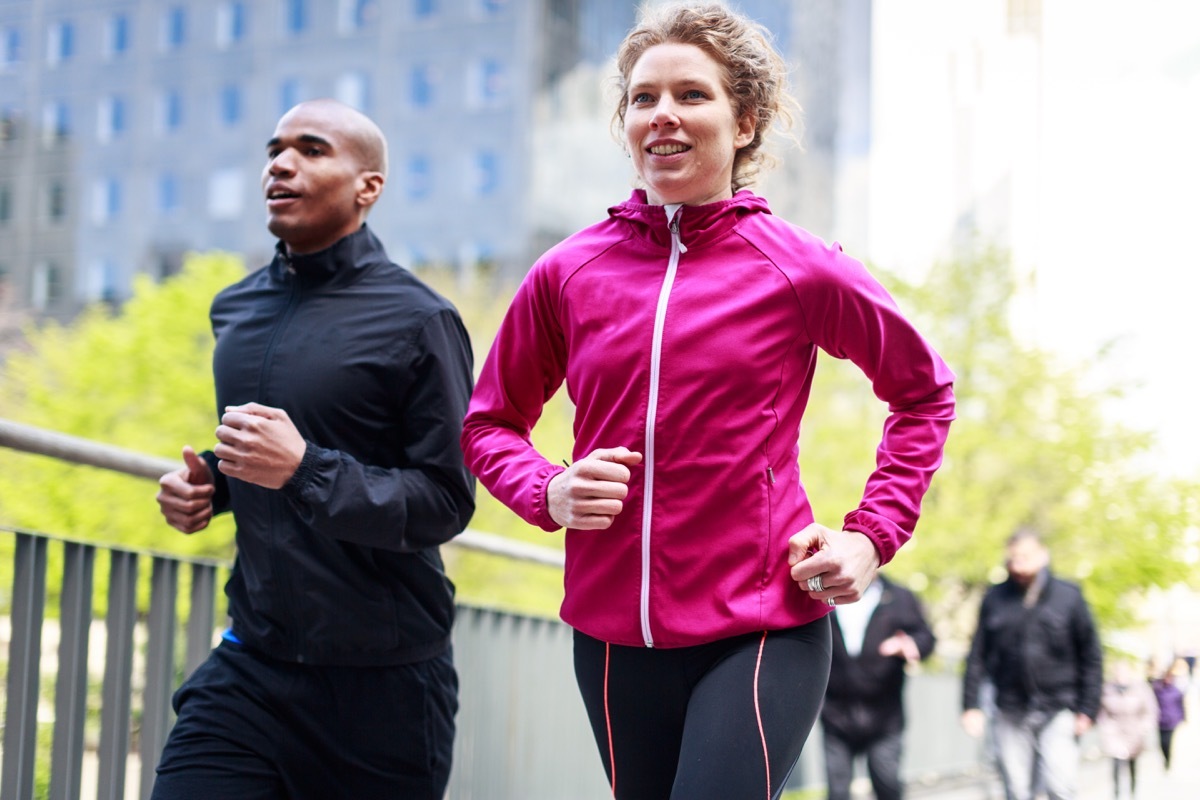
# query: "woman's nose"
664,115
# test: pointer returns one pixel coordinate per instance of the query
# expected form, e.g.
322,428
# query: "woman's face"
680,127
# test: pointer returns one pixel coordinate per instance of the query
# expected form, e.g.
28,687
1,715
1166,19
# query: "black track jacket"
341,565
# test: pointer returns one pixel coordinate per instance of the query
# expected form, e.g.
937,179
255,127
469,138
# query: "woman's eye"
641,98
693,94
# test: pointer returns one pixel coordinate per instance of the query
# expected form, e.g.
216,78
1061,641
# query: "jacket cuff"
886,542
541,503
304,473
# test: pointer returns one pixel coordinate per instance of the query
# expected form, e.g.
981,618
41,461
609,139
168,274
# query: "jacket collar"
698,225
341,263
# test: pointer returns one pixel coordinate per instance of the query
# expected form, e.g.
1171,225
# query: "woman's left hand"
832,566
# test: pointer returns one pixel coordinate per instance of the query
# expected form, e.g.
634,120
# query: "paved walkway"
1181,783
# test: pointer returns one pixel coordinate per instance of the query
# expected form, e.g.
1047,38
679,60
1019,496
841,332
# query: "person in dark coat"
873,642
1037,644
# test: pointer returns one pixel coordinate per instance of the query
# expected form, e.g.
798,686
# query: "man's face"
312,180
1026,558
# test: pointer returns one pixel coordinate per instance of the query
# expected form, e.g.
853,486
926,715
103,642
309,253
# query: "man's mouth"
281,194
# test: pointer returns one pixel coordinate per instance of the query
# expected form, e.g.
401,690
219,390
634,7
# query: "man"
1038,646
341,385
873,641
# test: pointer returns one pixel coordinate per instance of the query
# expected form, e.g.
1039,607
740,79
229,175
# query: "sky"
1092,141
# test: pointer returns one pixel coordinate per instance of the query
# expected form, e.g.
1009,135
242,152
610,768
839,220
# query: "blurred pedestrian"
1171,712
1128,717
874,641
686,327
1037,643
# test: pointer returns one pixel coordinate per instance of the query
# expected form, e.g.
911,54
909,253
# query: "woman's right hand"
590,493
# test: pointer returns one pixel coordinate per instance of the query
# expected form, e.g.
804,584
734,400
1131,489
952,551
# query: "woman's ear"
745,131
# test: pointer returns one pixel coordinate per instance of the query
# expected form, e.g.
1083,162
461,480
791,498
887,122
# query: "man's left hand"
901,645
258,444
1083,724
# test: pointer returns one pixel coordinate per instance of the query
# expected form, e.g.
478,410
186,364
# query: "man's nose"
281,164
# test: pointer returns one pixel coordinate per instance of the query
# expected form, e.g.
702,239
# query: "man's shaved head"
361,135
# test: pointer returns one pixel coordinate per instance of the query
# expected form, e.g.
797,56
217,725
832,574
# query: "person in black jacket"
341,385
873,641
1038,646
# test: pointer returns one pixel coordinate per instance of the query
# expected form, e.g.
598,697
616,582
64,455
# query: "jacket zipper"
293,300
673,212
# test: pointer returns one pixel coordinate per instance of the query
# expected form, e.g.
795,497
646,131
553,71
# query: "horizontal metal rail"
76,450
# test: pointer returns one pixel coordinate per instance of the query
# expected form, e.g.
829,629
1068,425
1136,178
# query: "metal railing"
522,730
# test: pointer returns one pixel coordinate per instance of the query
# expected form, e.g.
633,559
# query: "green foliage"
139,378
1032,445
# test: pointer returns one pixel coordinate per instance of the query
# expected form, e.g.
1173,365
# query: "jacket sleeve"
220,501
523,370
431,497
850,315
976,668
916,626
1090,661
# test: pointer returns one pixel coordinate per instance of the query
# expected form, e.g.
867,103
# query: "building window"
110,118
420,177
6,206
488,84
106,200
116,36
490,8
46,288
231,23
424,9
56,122
102,281
168,111
225,196
168,194
10,47
231,105
353,89
421,86
291,92
174,28
295,16
56,200
485,173
60,42
355,15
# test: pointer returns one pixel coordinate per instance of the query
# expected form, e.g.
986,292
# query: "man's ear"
370,187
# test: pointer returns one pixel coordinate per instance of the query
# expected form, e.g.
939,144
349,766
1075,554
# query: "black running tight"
710,722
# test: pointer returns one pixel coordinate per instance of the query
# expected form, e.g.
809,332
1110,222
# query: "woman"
1128,714
686,329
1170,711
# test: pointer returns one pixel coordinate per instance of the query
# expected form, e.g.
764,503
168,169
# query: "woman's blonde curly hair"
755,73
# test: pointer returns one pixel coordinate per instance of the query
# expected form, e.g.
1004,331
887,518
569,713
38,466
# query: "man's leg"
1015,752
883,764
1059,751
223,742
839,766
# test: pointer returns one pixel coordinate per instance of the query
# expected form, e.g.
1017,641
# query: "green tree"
138,378
1032,445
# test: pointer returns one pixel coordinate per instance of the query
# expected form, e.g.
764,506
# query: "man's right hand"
590,493
974,722
185,495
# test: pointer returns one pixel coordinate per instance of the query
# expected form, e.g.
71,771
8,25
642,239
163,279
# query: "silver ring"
815,584
831,601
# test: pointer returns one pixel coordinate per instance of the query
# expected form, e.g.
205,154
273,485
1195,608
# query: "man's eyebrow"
307,138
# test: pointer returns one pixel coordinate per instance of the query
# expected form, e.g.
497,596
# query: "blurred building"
133,131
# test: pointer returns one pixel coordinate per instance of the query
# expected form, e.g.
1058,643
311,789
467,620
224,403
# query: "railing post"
70,694
160,668
24,656
118,669
200,617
